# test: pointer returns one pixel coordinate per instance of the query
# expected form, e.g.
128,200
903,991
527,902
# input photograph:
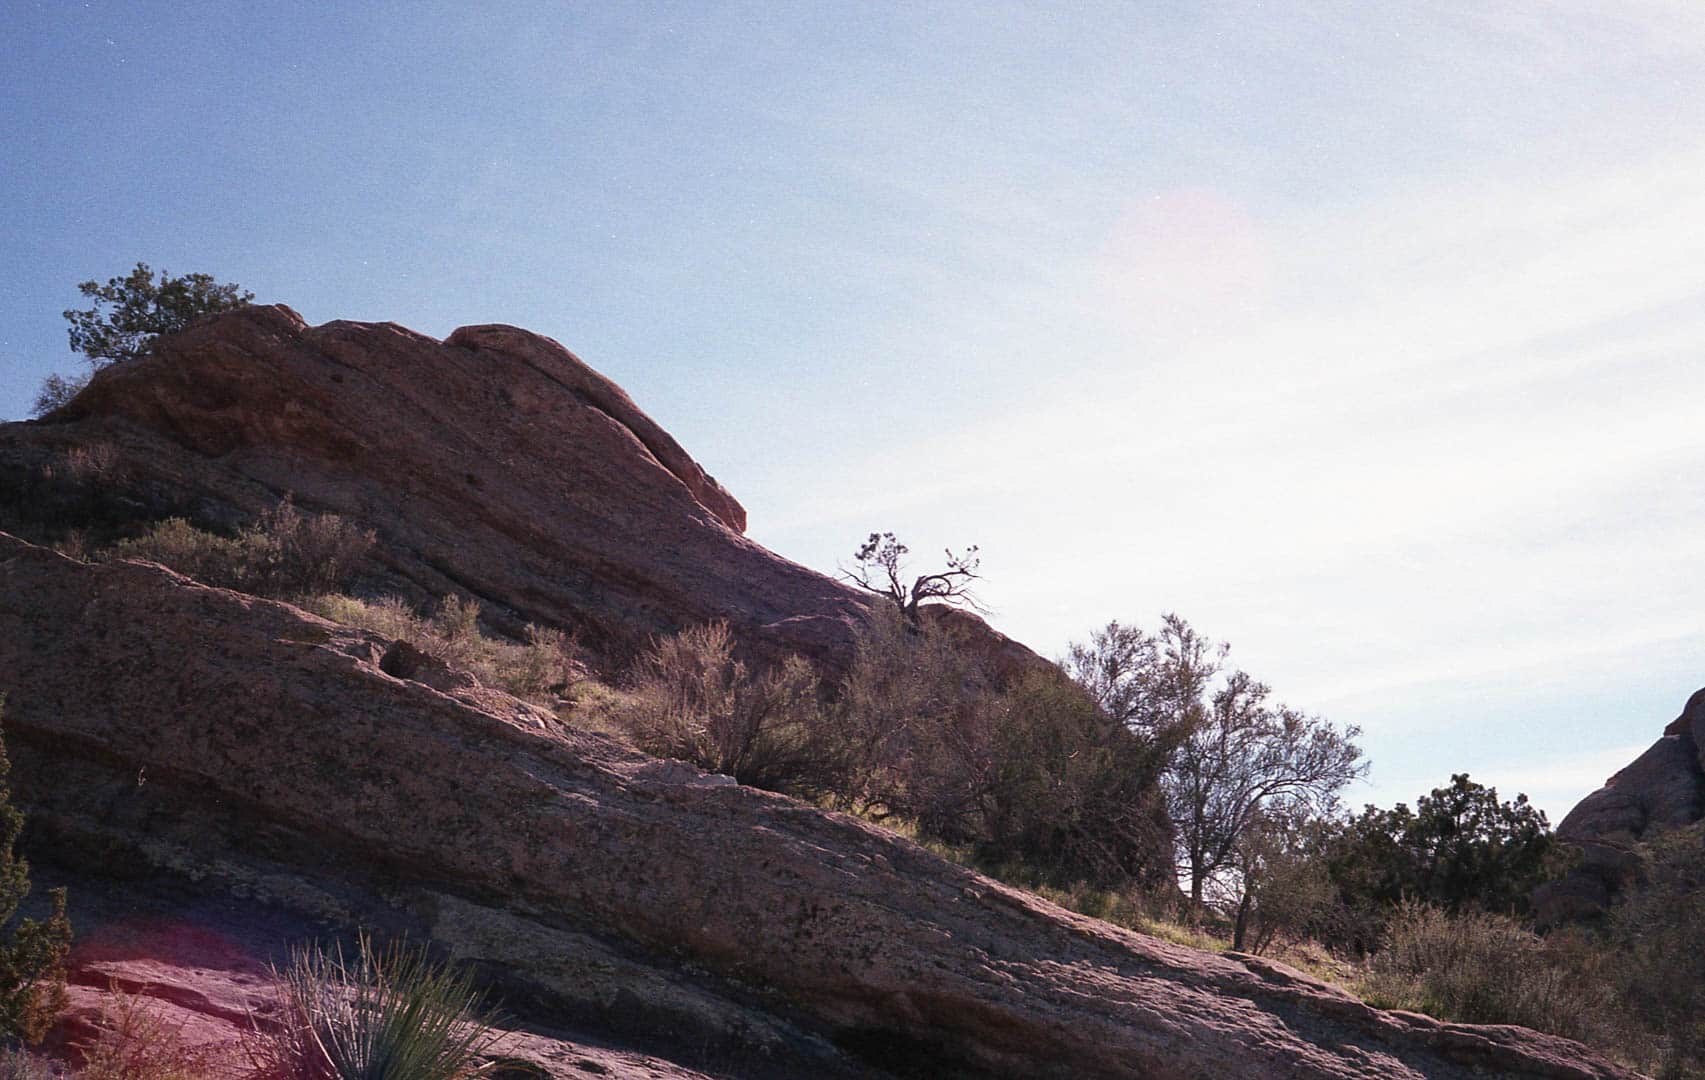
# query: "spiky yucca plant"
388,1014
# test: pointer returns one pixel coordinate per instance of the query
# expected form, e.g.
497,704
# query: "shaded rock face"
1662,789
494,463
169,732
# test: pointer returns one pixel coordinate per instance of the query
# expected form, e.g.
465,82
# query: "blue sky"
1369,342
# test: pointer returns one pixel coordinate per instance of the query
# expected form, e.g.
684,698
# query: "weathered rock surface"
174,732
1662,789
494,463
200,969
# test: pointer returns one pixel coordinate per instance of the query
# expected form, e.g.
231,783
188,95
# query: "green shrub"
388,1014
32,953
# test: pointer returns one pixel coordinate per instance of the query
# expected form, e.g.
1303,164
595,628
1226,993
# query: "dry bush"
298,554
17,1064
1039,780
1074,794
285,553
1483,968
912,722
1657,936
693,701
539,669
176,544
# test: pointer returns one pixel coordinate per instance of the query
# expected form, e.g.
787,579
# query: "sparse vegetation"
284,553
385,1014
32,952
879,567
541,668
692,700
137,1043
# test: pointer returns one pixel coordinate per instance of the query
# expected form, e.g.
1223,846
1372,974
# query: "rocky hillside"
244,749
1661,790
217,775
493,464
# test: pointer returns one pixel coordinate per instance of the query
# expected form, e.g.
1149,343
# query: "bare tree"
1117,669
1233,760
1246,757
879,567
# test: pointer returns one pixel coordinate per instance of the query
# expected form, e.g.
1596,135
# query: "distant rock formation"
192,746
1662,789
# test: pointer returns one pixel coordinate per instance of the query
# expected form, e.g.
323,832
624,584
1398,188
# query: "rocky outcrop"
1662,789
494,464
169,732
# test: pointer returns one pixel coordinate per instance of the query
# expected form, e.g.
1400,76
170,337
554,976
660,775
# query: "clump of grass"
539,668
388,1014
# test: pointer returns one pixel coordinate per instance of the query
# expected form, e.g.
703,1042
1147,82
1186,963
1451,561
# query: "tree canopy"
1460,848
129,313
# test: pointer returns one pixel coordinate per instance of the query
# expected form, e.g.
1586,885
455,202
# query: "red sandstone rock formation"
494,463
1662,789
248,751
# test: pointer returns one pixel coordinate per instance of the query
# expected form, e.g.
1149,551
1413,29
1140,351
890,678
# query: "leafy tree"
1460,848
128,314
32,953
142,309
879,567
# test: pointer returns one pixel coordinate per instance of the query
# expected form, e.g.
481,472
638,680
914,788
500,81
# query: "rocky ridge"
165,731
494,464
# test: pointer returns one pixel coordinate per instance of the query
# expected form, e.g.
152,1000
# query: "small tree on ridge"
879,567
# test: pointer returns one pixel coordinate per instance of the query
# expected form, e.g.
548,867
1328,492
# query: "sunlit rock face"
1662,789
178,747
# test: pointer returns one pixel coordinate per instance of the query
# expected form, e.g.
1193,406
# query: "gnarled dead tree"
878,567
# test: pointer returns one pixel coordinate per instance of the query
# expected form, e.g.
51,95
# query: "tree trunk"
1242,923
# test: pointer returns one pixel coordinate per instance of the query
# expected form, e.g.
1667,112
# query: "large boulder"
164,732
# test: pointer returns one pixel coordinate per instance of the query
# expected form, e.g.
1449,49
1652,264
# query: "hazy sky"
1373,344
